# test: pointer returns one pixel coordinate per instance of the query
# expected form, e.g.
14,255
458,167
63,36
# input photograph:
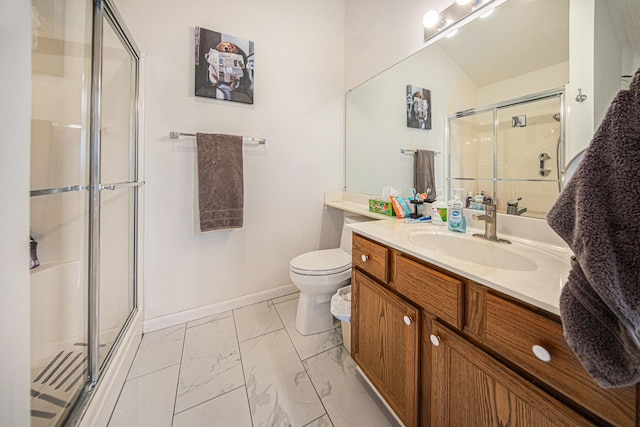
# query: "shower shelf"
50,266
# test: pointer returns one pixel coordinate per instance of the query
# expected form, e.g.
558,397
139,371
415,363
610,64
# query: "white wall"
380,33
552,77
581,75
298,109
608,59
15,68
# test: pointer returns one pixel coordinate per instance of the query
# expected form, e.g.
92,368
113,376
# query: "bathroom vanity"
448,342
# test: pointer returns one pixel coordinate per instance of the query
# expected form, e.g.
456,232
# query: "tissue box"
381,207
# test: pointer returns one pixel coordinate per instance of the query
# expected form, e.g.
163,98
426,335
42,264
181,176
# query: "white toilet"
318,275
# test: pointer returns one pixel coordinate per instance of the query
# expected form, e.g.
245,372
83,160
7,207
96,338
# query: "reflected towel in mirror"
424,172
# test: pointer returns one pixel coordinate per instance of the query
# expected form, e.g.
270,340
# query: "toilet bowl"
318,275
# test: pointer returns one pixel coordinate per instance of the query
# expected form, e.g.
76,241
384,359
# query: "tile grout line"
244,378
126,379
208,400
175,398
305,369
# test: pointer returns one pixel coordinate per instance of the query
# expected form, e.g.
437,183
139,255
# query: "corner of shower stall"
85,275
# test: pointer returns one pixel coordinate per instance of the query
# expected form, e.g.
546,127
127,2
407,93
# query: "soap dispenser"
457,221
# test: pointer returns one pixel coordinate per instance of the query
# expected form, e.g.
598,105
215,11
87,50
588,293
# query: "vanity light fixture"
458,14
431,19
485,15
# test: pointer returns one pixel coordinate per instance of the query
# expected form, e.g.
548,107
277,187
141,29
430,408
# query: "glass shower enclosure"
84,200
513,152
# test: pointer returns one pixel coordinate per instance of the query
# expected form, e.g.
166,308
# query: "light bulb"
430,19
463,2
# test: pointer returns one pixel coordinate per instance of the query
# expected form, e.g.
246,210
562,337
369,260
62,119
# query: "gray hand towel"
220,181
424,172
598,215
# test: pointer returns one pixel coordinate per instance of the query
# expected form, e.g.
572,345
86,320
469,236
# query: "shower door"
84,201
512,152
114,177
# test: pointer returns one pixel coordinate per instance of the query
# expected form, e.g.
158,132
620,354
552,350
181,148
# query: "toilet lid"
321,263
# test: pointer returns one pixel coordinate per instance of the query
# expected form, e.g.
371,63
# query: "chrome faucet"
512,207
489,218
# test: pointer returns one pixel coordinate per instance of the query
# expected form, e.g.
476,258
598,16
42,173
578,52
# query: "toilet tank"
346,236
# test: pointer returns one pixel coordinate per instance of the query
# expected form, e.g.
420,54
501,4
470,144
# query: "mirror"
521,49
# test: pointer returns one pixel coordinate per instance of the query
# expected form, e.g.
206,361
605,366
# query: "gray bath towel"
598,215
220,181
424,172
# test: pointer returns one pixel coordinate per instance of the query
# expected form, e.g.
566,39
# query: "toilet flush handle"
364,258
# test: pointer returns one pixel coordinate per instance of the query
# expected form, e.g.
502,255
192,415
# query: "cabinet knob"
541,353
408,320
435,340
364,258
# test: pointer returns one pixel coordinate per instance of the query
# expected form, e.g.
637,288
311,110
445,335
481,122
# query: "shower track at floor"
55,386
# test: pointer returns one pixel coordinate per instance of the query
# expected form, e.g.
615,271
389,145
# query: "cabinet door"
385,344
471,388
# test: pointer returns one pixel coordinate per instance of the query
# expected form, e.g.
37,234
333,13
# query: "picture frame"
418,102
224,66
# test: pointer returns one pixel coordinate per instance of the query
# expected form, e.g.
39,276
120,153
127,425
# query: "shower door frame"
553,93
105,10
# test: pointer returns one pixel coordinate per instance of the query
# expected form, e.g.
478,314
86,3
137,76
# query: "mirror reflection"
519,50
511,152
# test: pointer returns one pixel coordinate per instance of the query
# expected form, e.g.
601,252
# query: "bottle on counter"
439,211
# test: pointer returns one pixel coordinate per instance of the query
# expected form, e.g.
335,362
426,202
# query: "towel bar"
412,151
177,135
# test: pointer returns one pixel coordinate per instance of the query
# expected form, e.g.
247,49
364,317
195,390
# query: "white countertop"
538,282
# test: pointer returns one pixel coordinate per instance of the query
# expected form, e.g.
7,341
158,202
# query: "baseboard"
162,322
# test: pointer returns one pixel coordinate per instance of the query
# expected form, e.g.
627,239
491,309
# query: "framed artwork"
224,66
418,107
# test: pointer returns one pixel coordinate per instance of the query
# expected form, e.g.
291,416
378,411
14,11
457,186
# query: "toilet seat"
321,263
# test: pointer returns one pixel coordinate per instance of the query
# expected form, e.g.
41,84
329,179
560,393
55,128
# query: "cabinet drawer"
371,257
513,330
437,293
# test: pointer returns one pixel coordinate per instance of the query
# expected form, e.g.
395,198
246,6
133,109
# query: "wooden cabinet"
371,258
385,344
437,293
484,370
515,332
470,388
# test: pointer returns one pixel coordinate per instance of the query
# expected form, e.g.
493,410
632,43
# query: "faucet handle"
489,207
514,202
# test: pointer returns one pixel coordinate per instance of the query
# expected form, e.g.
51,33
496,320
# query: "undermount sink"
466,248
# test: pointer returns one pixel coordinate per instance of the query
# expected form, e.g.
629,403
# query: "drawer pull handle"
364,258
541,353
435,340
408,320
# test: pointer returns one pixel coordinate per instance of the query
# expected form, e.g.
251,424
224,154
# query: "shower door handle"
543,157
120,185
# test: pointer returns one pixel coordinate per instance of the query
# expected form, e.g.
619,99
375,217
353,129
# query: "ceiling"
627,12
522,36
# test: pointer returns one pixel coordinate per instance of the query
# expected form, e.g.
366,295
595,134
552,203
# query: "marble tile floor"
246,367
